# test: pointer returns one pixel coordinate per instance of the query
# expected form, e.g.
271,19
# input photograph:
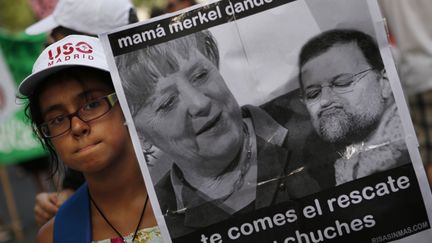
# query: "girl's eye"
92,105
57,121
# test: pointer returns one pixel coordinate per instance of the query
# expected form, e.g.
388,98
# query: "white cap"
87,16
72,51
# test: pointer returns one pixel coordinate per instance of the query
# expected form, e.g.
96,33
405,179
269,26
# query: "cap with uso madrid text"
73,50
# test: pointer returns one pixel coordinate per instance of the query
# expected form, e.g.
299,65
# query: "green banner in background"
17,141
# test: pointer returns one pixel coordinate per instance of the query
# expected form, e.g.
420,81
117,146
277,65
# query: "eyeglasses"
342,84
88,112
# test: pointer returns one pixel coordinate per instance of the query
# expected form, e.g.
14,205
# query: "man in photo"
348,96
226,159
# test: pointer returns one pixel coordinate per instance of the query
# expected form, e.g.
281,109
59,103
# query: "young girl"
73,106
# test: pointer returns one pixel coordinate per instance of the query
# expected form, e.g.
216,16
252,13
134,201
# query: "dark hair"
324,41
139,70
133,17
156,11
33,111
61,32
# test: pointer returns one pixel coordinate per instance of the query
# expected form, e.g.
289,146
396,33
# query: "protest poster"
273,121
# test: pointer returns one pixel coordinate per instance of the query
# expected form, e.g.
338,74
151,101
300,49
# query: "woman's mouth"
86,148
209,124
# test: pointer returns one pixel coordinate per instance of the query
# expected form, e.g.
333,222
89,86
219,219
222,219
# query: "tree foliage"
15,15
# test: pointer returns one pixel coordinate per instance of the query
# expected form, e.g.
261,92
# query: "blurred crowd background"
24,165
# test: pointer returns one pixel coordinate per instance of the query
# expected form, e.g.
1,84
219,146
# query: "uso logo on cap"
68,51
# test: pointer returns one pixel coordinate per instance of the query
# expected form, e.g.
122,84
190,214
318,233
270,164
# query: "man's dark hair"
324,41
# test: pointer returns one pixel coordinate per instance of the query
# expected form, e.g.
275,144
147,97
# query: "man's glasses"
88,112
342,84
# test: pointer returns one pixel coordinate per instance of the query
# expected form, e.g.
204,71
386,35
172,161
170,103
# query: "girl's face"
88,146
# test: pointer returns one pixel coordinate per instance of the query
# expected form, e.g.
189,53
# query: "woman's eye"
57,120
201,76
92,105
167,104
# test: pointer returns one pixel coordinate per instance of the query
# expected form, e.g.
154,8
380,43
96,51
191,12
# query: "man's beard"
342,127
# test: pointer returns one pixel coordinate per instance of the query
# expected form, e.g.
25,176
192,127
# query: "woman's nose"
79,127
197,102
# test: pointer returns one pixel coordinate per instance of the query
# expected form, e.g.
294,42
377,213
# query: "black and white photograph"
350,105
271,121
